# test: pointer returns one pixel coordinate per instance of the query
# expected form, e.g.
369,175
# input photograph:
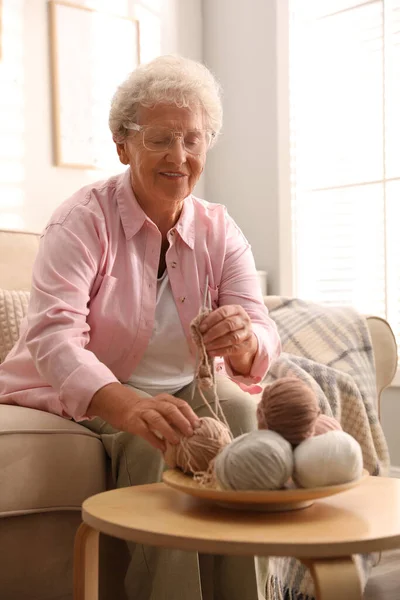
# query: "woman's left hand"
227,332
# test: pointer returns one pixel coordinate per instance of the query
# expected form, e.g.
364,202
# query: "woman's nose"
177,150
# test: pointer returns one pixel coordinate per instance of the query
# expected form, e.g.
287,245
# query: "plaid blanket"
330,349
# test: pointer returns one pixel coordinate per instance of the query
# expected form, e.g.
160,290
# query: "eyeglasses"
159,139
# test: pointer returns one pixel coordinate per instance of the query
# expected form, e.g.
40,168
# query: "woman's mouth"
172,174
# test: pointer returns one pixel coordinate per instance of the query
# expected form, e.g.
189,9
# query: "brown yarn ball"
290,408
323,424
194,454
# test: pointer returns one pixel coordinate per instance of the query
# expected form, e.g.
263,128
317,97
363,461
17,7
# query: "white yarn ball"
328,459
259,460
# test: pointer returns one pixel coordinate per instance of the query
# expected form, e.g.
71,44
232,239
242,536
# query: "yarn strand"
205,377
197,453
222,419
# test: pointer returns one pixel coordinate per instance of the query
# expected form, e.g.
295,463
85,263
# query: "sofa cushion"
13,307
47,463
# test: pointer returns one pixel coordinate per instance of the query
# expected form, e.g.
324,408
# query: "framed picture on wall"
91,53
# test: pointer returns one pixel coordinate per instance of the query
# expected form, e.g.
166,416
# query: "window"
345,153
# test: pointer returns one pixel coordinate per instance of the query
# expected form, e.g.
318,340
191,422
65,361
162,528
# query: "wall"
35,187
240,47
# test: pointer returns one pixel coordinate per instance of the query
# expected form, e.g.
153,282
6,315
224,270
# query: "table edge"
303,550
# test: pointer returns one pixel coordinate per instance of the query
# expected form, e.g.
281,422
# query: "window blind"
345,153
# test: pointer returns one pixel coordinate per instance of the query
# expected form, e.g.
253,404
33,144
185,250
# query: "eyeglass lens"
161,138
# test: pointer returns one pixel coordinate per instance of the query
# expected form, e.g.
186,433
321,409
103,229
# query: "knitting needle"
212,360
197,363
206,291
203,308
194,386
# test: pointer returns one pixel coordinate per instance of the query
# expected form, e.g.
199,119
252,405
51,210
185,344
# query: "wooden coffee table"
324,536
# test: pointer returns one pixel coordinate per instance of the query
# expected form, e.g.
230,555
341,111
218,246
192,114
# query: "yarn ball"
259,460
290,408
194,454
328,459
323,424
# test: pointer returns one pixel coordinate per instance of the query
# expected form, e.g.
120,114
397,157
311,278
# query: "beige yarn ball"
194,454
324,424
259,460
289,407
328,459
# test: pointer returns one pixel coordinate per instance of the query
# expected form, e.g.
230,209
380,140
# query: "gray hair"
170,79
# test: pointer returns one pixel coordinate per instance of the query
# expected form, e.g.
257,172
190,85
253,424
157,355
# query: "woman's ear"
122,154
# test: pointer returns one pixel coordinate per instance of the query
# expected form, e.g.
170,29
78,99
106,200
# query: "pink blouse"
93,295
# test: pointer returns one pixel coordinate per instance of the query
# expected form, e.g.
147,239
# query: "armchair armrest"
385,352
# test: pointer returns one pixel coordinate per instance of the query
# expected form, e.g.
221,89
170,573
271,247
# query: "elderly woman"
120,274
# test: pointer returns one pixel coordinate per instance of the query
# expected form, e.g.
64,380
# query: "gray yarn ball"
259,460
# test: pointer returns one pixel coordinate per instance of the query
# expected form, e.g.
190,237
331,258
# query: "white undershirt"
166,364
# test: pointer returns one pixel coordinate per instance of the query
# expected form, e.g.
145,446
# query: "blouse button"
173,264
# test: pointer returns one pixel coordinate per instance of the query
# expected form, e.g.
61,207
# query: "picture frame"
84,77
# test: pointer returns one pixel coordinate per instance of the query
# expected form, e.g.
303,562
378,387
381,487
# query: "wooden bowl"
290,498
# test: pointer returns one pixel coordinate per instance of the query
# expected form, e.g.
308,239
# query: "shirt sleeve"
58,332
240,285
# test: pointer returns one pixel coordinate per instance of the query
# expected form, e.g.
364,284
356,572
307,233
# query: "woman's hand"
227,332
164,414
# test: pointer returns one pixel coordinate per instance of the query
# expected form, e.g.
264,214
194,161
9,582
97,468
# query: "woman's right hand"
163,414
